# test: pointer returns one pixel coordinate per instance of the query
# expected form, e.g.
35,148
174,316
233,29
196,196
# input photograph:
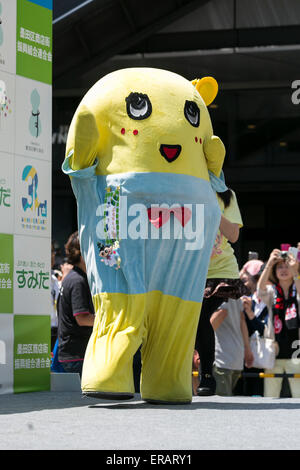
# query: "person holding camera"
279,289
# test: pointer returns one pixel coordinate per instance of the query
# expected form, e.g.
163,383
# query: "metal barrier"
264,375
260,375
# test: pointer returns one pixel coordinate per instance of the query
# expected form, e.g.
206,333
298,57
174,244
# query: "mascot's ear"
207,87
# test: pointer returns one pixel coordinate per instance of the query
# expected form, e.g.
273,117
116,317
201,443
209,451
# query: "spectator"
65,267
222,281
75,310
256,314
283,301
58,255
232,345
58,275
255,309
54,296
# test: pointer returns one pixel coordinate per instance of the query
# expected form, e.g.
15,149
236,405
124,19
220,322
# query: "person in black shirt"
279,288
75,310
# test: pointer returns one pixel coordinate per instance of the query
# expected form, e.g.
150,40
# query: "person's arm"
254,323
84,319
247,306
80,301
264,278
218,317
248,356
231,220
230,230
293,265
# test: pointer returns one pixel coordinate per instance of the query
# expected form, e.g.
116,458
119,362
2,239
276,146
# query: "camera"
284,250
288,249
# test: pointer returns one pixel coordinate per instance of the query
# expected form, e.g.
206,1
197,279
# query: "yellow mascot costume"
140,154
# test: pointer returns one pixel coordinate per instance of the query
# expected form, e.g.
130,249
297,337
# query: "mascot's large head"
146,120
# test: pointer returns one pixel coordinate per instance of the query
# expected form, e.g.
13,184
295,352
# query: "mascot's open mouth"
170,152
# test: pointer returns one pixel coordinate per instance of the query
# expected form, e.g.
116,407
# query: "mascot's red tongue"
170,152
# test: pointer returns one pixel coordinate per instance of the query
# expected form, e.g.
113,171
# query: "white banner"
8,17
6,193
6,353
25,194
33,119
32,276
7,112
32,197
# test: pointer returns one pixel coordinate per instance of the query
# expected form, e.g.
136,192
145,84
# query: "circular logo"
277,325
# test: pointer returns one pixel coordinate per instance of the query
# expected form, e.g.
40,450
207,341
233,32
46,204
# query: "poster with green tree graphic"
6,272
34,39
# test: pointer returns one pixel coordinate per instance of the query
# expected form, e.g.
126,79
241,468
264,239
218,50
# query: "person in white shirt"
232,346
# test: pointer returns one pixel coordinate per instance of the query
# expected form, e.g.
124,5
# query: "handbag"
264,348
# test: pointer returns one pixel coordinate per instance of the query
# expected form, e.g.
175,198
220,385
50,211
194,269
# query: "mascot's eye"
192,113
138,106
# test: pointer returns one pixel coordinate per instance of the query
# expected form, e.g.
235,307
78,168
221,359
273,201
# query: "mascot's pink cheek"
135,132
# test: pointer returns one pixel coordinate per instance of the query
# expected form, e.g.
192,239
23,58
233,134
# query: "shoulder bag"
264,348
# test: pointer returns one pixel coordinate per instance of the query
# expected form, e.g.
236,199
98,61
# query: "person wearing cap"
222,282
279,288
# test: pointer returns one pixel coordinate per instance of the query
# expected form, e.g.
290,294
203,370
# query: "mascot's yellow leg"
166,325
117,334
167,351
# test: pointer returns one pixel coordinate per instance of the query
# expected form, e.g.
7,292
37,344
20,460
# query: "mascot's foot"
108,395
163,402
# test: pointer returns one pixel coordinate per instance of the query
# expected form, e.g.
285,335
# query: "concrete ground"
65,420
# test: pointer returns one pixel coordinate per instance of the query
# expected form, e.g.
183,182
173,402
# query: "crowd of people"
238,304
260,297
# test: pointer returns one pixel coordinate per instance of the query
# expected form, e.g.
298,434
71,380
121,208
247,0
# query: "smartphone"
295,252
